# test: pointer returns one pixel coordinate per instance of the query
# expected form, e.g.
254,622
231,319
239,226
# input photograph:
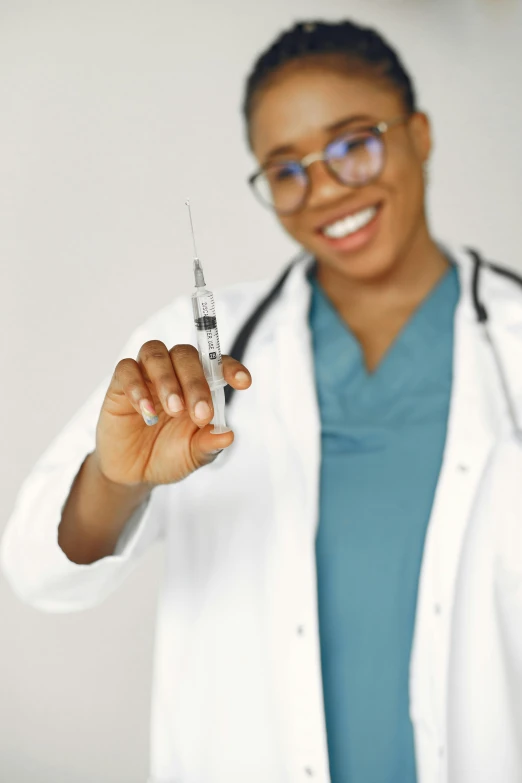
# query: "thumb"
207,447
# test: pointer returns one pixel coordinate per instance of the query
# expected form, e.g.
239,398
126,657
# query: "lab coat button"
309,771
437,608
441,751
463,468
300,630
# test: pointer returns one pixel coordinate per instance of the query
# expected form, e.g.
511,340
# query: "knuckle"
183,351
125,367
125,364
153,349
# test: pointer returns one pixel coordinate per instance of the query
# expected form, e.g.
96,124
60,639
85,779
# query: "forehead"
300,103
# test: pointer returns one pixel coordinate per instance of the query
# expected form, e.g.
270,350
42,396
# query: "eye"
284,171
349,145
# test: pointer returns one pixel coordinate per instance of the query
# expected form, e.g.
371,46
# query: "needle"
198,268
187,202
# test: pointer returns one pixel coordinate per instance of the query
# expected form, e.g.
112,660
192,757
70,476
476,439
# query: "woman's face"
297,112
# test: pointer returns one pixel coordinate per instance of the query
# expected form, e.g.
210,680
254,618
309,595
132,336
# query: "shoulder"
499,290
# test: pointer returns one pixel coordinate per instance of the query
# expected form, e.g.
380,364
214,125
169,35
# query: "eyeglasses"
354,159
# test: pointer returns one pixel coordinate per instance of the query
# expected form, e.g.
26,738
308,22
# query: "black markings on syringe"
206,322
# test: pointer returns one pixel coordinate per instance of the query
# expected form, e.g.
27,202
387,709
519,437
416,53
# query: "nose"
324,187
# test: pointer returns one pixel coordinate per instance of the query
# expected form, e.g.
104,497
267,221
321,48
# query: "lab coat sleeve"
36,567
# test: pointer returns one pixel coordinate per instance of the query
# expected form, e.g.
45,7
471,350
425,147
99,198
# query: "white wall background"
111,113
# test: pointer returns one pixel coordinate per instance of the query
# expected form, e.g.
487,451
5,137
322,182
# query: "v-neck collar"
333,338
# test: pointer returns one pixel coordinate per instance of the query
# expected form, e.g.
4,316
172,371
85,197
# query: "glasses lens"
357,158
282,186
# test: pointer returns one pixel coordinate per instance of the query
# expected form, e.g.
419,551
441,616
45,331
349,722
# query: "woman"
342,588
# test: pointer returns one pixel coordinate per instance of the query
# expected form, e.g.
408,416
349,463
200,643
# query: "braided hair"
351,45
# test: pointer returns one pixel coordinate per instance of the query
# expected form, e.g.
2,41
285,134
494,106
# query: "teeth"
351,224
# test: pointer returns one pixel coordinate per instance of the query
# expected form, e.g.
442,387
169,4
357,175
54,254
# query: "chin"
367,265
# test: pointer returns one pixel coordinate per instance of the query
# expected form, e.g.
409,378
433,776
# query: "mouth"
349,224
352,231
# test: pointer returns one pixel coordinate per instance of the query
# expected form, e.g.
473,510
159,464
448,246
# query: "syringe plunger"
218,401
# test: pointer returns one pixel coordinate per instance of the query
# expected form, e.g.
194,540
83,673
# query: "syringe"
208,340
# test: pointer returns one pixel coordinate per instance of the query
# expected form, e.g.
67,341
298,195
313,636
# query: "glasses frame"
377,130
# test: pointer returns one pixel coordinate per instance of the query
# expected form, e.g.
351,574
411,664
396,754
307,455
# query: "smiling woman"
341,147
332,120
342,150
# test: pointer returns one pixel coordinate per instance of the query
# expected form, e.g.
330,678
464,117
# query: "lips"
352,231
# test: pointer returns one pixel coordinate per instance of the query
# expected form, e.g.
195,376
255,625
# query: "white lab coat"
237,692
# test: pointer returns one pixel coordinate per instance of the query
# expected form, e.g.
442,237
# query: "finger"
154,359
207,447
236,374
128,380
194,386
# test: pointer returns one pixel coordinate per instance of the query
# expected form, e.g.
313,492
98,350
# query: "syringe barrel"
208,337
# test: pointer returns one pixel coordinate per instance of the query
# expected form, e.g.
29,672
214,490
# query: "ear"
420,133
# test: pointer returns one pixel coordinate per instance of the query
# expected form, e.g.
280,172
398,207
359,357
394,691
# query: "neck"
399,290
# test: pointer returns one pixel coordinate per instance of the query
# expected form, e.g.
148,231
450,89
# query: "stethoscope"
241,342
483,319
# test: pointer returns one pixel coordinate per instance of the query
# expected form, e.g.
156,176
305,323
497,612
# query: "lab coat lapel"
292,433
470,435
297,393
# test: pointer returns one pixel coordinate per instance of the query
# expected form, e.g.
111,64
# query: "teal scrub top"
382,437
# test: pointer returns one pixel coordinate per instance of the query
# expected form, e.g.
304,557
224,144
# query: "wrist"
137,490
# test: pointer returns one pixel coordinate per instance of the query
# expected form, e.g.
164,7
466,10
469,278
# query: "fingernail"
148,412
242,377
202,410
218,451
174,403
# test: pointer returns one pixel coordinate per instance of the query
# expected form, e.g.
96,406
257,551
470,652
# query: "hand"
154,426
